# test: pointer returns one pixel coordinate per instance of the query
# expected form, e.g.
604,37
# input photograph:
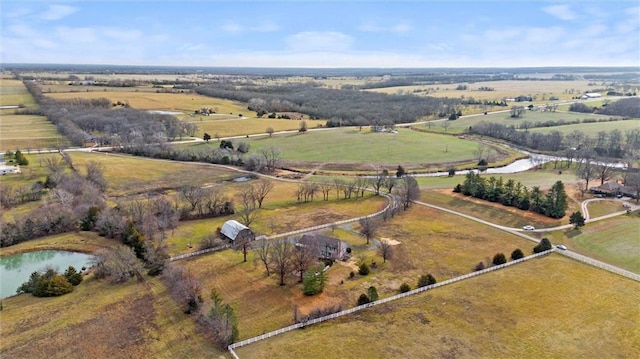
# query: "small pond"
16,269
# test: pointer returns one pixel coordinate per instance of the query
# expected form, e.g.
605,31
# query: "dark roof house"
328,248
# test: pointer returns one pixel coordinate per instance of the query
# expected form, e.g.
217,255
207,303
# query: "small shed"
234,230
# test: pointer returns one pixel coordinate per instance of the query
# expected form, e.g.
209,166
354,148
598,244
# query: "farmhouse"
590,95
327,247
608,189
234,230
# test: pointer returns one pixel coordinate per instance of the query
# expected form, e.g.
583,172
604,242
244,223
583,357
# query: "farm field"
235,126
615,241
592,129
462,124
441,246
532,310
365,148
13,93
502,89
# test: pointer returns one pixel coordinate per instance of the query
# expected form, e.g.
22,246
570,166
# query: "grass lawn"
532,310
234,126
604,207
615,241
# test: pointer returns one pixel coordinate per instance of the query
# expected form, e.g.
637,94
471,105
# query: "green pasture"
504,118
592,129
365,147
615,241
549,307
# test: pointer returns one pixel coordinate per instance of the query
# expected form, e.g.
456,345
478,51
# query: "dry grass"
551,307
100,320
13,92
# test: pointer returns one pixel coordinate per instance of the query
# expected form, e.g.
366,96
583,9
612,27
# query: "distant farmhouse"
234,230
327,247
590,95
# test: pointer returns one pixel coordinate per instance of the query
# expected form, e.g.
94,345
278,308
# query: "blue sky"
322,33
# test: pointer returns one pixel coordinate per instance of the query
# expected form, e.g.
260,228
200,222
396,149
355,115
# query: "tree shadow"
572,233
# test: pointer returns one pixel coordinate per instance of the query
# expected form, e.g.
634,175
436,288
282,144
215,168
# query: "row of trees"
511,193
612,144
342,107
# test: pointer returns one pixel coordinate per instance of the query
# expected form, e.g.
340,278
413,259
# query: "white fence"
377,302
197,253
601,265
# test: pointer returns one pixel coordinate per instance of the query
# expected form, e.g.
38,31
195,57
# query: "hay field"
550,307
227,126
13,92
502,89
28,132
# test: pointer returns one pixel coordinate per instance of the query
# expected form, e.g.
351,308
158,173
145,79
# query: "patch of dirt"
391,241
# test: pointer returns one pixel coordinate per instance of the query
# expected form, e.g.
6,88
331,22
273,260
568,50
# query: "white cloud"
562,12
374,27
76,34
319,41
57,12
543,34
236,28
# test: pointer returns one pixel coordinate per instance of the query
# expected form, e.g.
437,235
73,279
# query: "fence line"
380,301
197,253
601,265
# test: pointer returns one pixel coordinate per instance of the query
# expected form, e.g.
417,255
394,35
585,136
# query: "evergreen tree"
576,219
517,254
555,204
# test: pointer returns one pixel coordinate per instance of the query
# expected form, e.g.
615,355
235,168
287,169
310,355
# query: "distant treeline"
435,79
94,120
626,107
346,107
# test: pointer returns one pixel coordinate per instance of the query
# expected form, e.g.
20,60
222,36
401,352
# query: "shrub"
73,276
479,266
457,188
363,269
426,280
517,254
351,274
372,294
210,241
404,287
544,245
499,258
363,299
47,284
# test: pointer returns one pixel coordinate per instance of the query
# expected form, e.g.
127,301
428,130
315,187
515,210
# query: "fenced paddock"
233,346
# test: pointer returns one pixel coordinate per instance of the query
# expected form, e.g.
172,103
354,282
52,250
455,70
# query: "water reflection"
16,269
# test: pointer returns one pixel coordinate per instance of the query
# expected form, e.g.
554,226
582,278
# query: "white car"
528,228
561,246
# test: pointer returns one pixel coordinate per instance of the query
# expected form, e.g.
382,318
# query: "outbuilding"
234,230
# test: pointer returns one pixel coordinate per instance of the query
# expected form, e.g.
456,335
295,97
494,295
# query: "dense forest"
346,107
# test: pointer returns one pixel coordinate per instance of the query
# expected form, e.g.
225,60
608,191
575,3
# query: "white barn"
233,230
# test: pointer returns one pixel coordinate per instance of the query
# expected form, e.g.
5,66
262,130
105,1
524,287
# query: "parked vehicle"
528,228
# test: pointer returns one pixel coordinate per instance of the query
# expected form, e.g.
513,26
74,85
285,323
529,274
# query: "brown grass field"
13,92
551,307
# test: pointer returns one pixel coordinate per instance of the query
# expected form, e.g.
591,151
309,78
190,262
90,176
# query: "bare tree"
243,243
248,209
605,171
262,250
385,249
325,187
408,191
270,131
95,174
271,157
368,228
633,181
379,180
517,111
586,171
361,185
118,265
481,152
260,190
302,257
193,195
280,258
